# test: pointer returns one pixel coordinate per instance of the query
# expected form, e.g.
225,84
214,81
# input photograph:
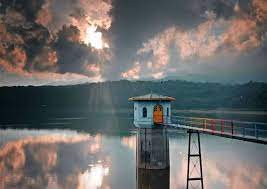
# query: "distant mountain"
115,94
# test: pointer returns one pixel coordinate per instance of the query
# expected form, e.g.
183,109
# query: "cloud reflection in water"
53,161
93,178
235,166
82,161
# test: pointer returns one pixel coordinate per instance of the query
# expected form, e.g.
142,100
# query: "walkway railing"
249,131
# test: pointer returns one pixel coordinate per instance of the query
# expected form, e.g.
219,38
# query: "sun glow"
93,178
94,38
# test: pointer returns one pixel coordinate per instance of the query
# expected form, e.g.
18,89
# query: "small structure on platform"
151,112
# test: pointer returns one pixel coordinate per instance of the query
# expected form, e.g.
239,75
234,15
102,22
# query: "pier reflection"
153,179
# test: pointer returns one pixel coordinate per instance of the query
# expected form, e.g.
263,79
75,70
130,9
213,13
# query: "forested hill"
97,96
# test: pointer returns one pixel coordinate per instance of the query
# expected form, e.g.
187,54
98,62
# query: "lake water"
100,152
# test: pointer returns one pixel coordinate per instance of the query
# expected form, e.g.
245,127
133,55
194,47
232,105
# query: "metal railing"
226,127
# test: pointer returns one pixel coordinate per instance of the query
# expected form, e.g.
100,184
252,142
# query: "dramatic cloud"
46,60
56,41
87,16
260,10
133,73
17,57
214,37
53,41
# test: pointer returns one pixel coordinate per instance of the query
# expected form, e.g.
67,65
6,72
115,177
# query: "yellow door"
158,114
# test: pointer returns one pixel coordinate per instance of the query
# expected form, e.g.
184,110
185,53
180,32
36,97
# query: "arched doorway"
158,114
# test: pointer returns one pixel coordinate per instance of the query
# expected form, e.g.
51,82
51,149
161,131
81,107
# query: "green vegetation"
115,94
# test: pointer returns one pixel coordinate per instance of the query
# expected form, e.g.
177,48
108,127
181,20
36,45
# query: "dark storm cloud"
78,56
54,14
72,41
28,8
38,42
137,21
229,30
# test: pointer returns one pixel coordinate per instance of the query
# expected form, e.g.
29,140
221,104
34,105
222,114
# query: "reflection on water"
93,178
64,159
226,163
129,141
153,179
53,161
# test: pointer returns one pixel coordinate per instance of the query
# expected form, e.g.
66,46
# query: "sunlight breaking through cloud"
94,38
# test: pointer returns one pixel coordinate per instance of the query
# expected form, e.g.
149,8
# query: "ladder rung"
194,155
192,131
195,178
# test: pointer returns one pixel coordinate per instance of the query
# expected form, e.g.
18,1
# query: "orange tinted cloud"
80,13
94,72
46,60
92,68
241,35
260,7
18,57
133,73
45,77
205,40
159,46
7,39
209,39
44,16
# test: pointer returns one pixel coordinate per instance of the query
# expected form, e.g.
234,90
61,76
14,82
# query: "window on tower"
144,112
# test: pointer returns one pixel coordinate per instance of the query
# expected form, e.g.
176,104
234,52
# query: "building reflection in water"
148,178
153,179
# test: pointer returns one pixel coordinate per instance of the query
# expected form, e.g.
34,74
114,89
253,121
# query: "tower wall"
152,148
153,179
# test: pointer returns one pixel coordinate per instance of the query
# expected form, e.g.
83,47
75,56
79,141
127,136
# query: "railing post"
244,131
222,129
256,131
205,122
232,127
213,125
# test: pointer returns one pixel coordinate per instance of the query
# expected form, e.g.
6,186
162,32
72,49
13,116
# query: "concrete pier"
153,179
152,148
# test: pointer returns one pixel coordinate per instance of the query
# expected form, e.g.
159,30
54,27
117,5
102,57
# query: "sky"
62,42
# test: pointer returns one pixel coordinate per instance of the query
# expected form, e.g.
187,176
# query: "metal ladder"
194,159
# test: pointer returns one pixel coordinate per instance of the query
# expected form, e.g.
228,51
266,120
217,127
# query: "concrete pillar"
153,179
152,148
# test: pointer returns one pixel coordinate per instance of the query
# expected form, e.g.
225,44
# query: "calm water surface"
101,154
